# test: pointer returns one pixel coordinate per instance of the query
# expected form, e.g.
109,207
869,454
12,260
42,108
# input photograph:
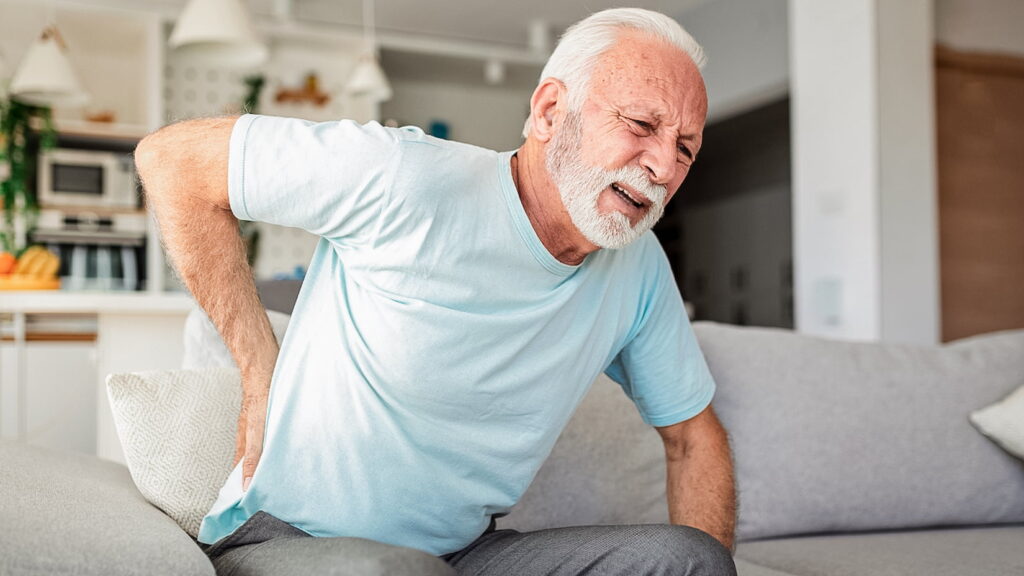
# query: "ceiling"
501,21
447,40
504,22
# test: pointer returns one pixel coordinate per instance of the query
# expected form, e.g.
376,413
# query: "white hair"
584,42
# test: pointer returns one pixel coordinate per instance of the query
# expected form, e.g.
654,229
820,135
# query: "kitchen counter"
61,302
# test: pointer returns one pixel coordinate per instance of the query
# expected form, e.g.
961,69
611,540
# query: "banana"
50,268
37,262
28,260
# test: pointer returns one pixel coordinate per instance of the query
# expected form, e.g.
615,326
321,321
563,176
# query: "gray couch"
851,459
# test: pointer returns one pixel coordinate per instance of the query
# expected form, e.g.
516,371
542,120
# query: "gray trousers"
266,546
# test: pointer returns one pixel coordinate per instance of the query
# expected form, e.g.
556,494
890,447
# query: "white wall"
488,116
865,242
746,42
981,25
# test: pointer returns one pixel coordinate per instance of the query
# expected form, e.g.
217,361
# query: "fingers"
252,458
253,445
240,439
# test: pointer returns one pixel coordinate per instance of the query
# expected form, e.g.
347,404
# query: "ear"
546,105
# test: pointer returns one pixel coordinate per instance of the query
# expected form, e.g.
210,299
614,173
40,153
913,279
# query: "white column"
864,237
911,306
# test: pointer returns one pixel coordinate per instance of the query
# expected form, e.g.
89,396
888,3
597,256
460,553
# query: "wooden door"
980,132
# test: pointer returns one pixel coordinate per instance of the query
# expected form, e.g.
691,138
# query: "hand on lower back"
249,442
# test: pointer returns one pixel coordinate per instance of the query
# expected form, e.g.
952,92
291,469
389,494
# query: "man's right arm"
184,168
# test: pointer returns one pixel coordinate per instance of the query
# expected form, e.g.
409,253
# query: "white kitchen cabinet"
58,409
54,393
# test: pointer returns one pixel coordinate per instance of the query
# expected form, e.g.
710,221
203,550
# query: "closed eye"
645,125
685,152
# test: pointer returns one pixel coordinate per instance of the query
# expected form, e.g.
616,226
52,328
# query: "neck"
543,205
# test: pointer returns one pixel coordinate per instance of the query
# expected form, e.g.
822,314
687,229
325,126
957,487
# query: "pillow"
1003,422
833,436
70,513
178,430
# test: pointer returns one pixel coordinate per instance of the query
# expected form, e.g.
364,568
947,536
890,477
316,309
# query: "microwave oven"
87,178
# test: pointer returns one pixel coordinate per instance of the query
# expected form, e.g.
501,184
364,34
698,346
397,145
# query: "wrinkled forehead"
638,65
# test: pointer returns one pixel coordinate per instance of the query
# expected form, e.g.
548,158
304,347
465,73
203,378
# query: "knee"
687,551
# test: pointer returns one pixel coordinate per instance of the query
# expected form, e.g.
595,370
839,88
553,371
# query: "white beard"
581,185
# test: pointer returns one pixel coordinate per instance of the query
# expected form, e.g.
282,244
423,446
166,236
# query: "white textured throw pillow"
1003,422
177,428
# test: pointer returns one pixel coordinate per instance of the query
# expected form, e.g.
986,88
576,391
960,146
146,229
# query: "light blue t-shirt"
436,349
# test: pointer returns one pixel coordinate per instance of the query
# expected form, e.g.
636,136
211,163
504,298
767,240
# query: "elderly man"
456,310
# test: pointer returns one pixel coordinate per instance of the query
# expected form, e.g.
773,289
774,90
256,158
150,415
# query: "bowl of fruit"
36,269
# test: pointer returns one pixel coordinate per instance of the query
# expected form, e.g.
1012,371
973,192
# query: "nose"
659,159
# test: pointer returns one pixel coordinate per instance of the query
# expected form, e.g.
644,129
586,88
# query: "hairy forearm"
701,491
201,238
208,253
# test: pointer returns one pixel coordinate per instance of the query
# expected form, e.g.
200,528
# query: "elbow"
703,432
146,153
152,157
186,161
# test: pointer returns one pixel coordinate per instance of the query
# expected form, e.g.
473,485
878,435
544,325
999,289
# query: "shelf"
128,133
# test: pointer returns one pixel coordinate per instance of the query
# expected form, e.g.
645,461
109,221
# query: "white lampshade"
45,77
217,32
368,80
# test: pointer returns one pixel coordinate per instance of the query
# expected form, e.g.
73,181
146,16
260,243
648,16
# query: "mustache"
637,179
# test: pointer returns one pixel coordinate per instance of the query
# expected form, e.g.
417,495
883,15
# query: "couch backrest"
841,436
826,435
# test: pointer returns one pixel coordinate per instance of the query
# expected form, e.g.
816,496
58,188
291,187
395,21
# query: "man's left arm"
701,492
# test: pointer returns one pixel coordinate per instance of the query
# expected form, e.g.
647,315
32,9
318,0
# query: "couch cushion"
178,429
69,513
840,436
992,551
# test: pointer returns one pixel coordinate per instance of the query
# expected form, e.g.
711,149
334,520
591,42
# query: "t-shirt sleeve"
662,368
328,178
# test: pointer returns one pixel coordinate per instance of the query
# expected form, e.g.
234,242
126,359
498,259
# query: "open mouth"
625,195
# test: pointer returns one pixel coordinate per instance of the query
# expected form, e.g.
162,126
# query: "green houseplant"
17,161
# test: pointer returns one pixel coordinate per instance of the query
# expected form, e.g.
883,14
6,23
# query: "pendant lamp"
219,33
45,77
368,79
